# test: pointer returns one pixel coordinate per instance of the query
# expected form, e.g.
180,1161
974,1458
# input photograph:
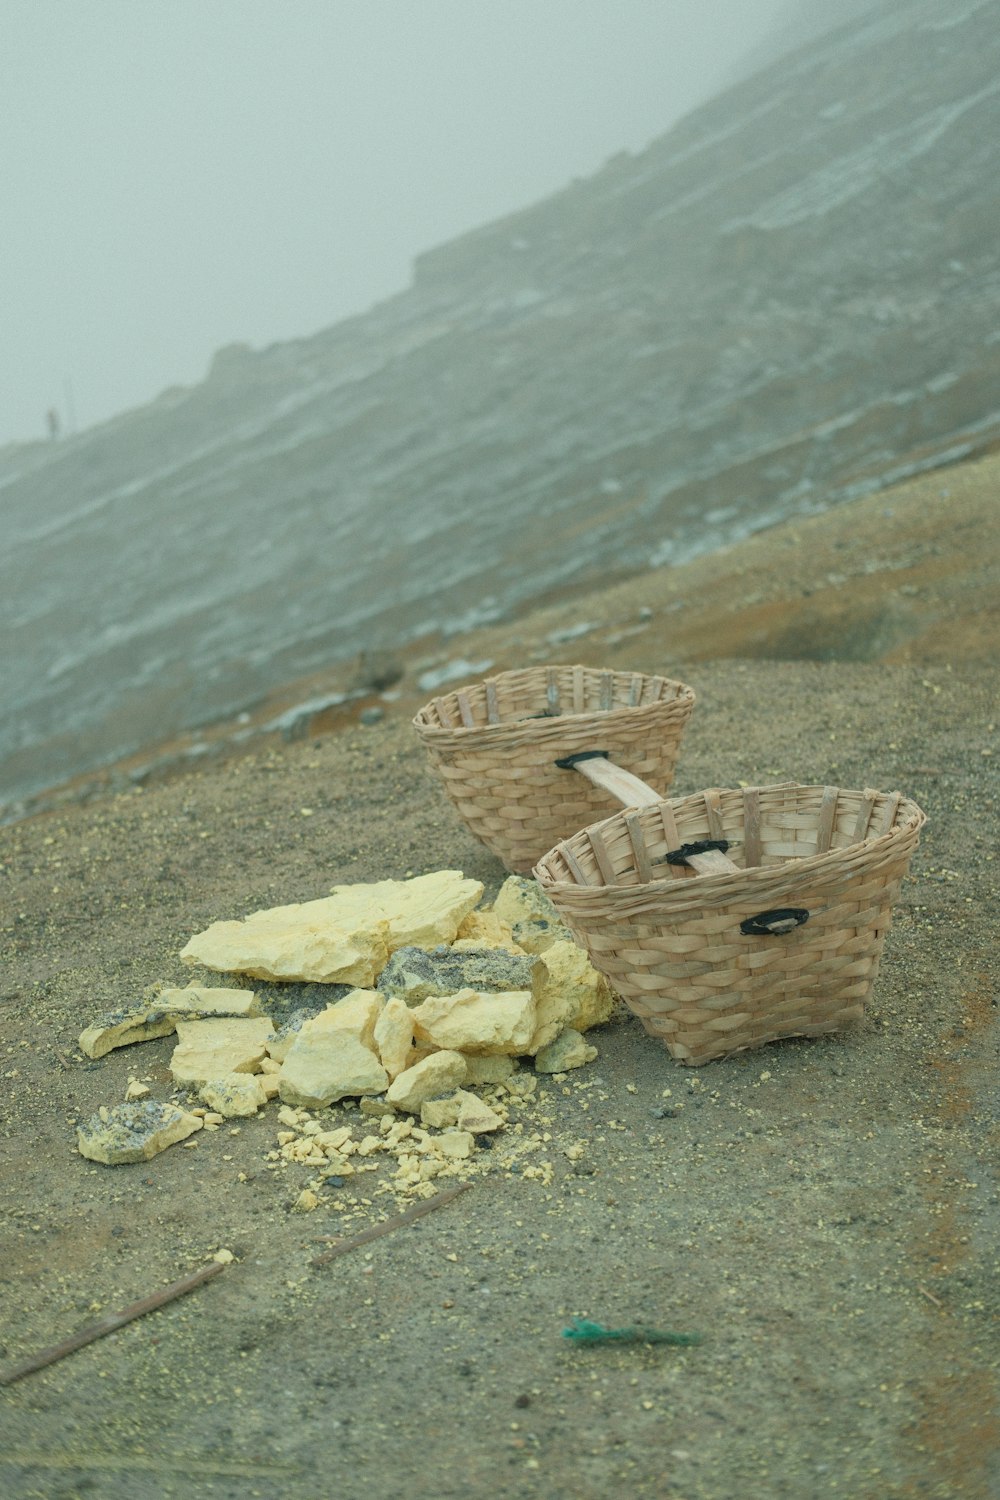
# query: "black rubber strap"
700,846
774,923
569,762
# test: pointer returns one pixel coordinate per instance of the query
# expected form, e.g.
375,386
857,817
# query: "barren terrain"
825,1214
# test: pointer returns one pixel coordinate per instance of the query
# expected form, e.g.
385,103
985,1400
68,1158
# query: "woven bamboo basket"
728,919
495,745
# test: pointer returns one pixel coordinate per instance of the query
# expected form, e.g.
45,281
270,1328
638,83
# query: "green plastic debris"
583,1332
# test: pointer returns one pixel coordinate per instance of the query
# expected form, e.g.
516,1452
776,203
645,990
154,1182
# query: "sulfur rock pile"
444,996
440,1142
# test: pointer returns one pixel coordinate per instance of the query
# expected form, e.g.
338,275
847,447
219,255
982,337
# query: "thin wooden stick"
825,821
714,813
387,1226
751,826
601,855
110,1323
673,872
889,815
578,696
573,864
623,785
864,814
642,865
465,709
148,1463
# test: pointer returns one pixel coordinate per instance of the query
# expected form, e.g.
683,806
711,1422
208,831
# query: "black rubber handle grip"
774,923
700,846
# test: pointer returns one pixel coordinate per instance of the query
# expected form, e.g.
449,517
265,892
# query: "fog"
179,175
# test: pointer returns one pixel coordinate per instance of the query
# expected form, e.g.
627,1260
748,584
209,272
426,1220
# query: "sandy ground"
824,1213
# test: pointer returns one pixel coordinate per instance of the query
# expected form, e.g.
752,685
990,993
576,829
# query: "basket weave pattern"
670,941
495,744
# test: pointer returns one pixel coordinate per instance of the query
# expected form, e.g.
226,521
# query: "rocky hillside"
798,23
788,300
906,577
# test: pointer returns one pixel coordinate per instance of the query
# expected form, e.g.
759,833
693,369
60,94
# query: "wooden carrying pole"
631,792
109,1324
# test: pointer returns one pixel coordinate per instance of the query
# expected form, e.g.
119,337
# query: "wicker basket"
786,941
495,745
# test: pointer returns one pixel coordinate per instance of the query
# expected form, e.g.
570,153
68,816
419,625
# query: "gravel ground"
825,1214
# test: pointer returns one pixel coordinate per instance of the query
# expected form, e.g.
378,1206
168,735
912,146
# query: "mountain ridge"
774,307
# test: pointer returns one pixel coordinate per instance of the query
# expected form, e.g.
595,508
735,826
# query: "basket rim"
685,694
705,887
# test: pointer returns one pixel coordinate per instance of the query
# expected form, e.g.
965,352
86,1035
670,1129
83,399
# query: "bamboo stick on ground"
399,1221
110,1323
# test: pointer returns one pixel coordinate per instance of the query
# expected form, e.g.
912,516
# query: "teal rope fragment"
583,1332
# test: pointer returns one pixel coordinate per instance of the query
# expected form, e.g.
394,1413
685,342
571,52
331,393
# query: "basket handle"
595,765
774,923
631,792
705,856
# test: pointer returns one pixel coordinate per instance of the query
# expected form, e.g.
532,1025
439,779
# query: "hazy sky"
176,175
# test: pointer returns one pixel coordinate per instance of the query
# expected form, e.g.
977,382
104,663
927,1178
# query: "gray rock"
569,1050
124,1133
285,1034
529,913
142,1022
414,974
